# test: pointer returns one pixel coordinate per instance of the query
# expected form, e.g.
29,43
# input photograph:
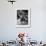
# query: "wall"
8,28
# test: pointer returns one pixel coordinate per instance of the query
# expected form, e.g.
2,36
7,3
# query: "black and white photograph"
23,17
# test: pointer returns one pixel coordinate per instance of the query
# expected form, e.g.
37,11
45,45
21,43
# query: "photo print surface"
23,18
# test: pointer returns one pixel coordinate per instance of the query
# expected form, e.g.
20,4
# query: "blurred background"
8,30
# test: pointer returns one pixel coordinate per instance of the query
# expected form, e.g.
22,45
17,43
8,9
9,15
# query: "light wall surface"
8,30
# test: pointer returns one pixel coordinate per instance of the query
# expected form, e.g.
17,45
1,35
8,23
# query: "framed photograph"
23,17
